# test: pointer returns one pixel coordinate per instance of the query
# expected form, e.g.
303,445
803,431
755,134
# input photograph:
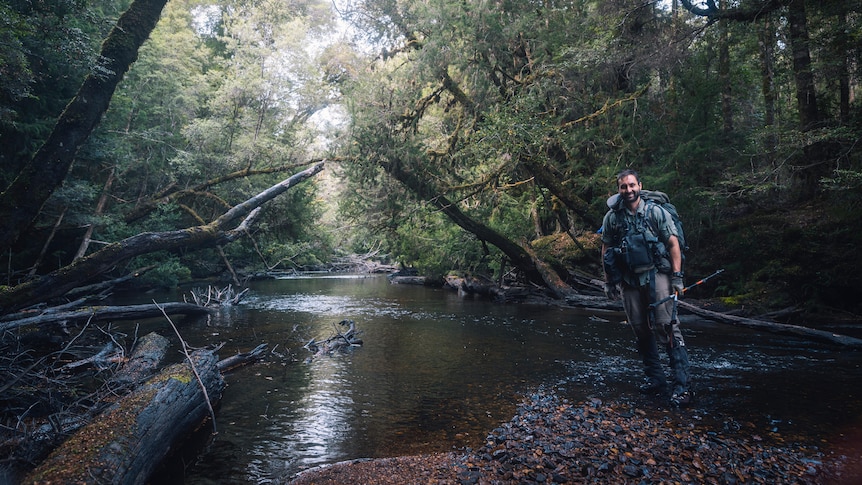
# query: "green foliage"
468,102
167,273
298,256
46,49
843,180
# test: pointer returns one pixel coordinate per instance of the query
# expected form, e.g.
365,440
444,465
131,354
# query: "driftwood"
98,313
214,297
128,441
360,263
105,286
146,357
777,328
109,355
339,341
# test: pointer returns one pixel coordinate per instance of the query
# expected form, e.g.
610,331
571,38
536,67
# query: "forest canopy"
480,138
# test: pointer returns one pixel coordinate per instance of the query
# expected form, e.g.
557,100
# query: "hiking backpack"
660,198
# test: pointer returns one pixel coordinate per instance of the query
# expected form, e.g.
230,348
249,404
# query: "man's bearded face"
630,189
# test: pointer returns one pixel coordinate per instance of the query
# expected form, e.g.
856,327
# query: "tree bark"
100,208
146,357
241,359
724,75
127,312
424,190
59,282
21,202
806,98
778,328
174,193
127,443
558,287
766,41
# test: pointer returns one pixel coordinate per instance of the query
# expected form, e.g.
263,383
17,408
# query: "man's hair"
626,173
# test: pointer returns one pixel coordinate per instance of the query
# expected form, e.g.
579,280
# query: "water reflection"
437,372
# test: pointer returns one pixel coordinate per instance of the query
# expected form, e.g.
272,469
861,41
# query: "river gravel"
551,440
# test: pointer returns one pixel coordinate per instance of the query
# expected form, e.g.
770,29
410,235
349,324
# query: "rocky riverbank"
550,440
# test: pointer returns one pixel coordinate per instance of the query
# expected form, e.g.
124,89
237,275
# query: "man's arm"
675,254
604,250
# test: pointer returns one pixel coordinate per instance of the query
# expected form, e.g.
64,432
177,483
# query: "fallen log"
104,286
126,443
472,286
777,328
217,232
241,359
558,288
109,355
145,359
97,313
409,280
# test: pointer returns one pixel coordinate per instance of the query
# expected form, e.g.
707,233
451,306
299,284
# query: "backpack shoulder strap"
651,204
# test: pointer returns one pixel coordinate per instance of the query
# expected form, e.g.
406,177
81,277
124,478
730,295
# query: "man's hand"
677,284
613,292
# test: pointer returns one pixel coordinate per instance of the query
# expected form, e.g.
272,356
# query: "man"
643,264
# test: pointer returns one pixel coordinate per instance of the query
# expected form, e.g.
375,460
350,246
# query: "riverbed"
437,372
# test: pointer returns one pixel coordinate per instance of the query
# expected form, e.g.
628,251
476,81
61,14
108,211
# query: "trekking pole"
675,295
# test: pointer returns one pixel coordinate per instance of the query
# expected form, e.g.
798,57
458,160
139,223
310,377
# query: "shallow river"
438,372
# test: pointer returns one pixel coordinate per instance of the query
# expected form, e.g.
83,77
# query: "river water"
437,372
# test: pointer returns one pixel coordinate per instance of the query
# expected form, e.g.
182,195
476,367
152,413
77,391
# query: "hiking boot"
653,388
682,399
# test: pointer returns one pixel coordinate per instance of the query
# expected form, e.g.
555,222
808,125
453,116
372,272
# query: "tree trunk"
424,190
778,328
844,48
100,313
127,442
59,282
241,359
45,246
21,202
173,193
558,287
142,364
806,98
766,41
724,74
100,208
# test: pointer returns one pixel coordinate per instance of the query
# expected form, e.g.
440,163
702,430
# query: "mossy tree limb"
219,231
126,443
22,201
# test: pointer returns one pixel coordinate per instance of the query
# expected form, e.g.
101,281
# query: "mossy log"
217,232
126,443
147,356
